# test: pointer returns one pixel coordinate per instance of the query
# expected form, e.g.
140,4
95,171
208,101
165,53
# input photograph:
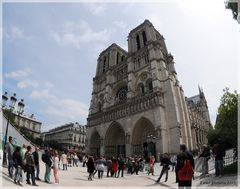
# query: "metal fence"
229,159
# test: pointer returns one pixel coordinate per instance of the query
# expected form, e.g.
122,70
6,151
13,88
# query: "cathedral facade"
138,106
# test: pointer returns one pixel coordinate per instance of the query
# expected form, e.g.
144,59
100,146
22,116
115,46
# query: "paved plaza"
78,176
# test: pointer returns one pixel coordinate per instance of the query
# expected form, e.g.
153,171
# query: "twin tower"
138,106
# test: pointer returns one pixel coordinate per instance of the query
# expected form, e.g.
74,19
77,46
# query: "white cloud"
14,33
41,94
204,8
18,74
27,83
68,108
96,8
49,85
80,33
120,24
63,107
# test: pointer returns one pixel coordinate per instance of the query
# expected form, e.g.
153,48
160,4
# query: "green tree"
225,130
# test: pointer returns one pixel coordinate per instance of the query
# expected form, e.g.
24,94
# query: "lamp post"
13,101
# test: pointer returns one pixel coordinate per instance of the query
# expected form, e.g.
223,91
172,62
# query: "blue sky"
50,50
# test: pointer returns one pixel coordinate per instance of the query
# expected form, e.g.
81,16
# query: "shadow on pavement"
82,179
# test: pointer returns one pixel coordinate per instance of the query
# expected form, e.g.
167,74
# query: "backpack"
186,172
44,158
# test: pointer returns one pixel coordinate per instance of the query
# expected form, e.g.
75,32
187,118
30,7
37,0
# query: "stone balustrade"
132,106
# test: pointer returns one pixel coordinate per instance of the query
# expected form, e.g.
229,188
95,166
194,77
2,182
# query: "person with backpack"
165,162
184,168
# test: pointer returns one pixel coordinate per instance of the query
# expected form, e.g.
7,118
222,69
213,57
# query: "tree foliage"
234,7
225,131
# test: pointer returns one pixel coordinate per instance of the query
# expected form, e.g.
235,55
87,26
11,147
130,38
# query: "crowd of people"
23,160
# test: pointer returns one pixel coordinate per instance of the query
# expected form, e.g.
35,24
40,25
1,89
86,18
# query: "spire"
201,93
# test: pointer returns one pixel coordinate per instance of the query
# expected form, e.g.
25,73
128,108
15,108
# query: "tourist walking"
136,165
184,168
100,162
109,167
218,153
64,161
173,161
129,165
141,164
23,151
121,164
55,160
90,167
165,162
48,163
205,155
9,149
151,165
75,160
36,161
30,166
114,167
18,164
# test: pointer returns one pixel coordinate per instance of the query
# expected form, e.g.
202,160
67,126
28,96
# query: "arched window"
144,38
104,64
149,86
117,58
122,58
140,89
138,42
121,95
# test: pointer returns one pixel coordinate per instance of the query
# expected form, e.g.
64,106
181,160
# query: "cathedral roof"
146,22
113,46
195,99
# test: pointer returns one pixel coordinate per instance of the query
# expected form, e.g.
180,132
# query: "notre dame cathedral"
138,106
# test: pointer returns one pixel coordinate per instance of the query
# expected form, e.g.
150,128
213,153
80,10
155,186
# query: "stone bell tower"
138,106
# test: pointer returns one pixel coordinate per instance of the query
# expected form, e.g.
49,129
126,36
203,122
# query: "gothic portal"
138,106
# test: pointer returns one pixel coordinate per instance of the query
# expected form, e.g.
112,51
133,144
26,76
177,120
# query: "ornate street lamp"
13,101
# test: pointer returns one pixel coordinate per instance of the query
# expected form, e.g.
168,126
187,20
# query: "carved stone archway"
143,138
115,140
95,143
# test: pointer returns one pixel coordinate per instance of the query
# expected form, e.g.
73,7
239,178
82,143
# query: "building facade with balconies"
30,123
71,136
